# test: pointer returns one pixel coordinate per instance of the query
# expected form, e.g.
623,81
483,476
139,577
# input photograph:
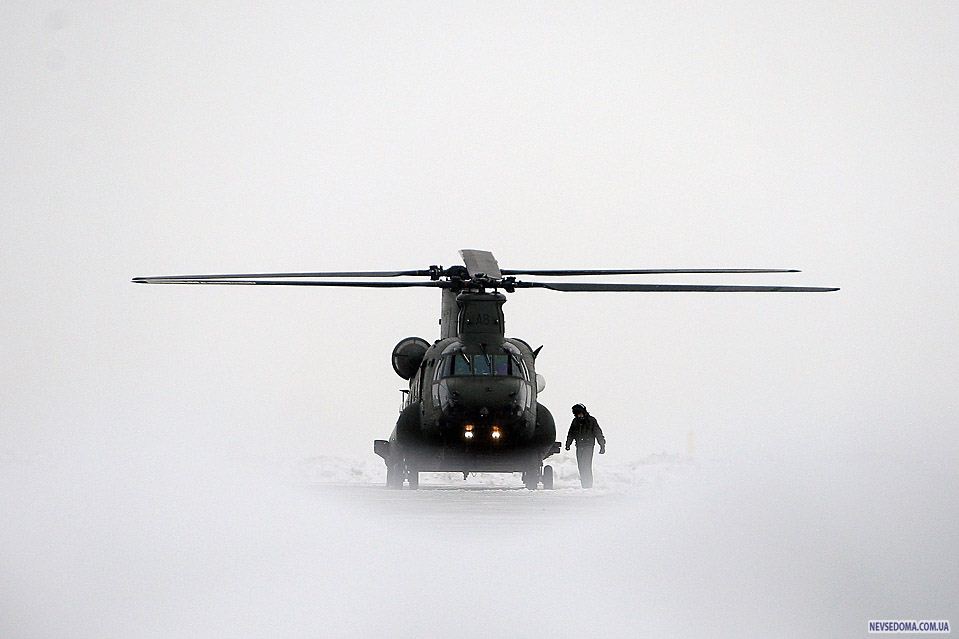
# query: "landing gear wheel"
413,477
394,476
531,479
548,477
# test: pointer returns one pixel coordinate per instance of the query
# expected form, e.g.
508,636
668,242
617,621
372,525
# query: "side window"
517,368
415,385
421,379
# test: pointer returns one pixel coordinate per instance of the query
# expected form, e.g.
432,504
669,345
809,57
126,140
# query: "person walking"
586,432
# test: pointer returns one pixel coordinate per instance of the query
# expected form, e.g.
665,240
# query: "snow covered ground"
204,547
613,477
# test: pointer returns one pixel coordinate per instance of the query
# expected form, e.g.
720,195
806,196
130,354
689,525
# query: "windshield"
502,365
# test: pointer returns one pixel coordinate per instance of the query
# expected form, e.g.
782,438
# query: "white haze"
196,461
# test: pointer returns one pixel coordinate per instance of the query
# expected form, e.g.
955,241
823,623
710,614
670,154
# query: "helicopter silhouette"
472,399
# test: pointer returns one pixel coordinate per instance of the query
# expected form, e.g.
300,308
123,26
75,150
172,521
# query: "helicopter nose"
481,397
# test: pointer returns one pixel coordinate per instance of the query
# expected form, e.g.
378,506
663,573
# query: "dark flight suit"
586,432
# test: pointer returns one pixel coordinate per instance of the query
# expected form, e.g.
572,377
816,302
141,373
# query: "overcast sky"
143,138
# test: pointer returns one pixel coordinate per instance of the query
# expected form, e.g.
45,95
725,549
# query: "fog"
205,548
197,461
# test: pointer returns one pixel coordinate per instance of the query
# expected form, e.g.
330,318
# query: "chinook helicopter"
472,404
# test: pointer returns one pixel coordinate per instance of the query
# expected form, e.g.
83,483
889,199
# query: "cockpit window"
482,364
461,364
500,365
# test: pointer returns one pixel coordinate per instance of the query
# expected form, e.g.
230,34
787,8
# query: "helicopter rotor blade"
236,276
181,280
481,263
577,287
557,273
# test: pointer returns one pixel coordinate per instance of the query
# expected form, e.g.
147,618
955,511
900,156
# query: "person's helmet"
579,408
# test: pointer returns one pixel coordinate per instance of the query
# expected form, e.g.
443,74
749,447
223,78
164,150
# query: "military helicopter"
472,398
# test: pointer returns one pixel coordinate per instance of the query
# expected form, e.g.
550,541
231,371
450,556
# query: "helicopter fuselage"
472,401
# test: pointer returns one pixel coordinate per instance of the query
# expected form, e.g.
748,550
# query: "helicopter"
472,402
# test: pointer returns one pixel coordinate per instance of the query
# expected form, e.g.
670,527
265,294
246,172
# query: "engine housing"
408,355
